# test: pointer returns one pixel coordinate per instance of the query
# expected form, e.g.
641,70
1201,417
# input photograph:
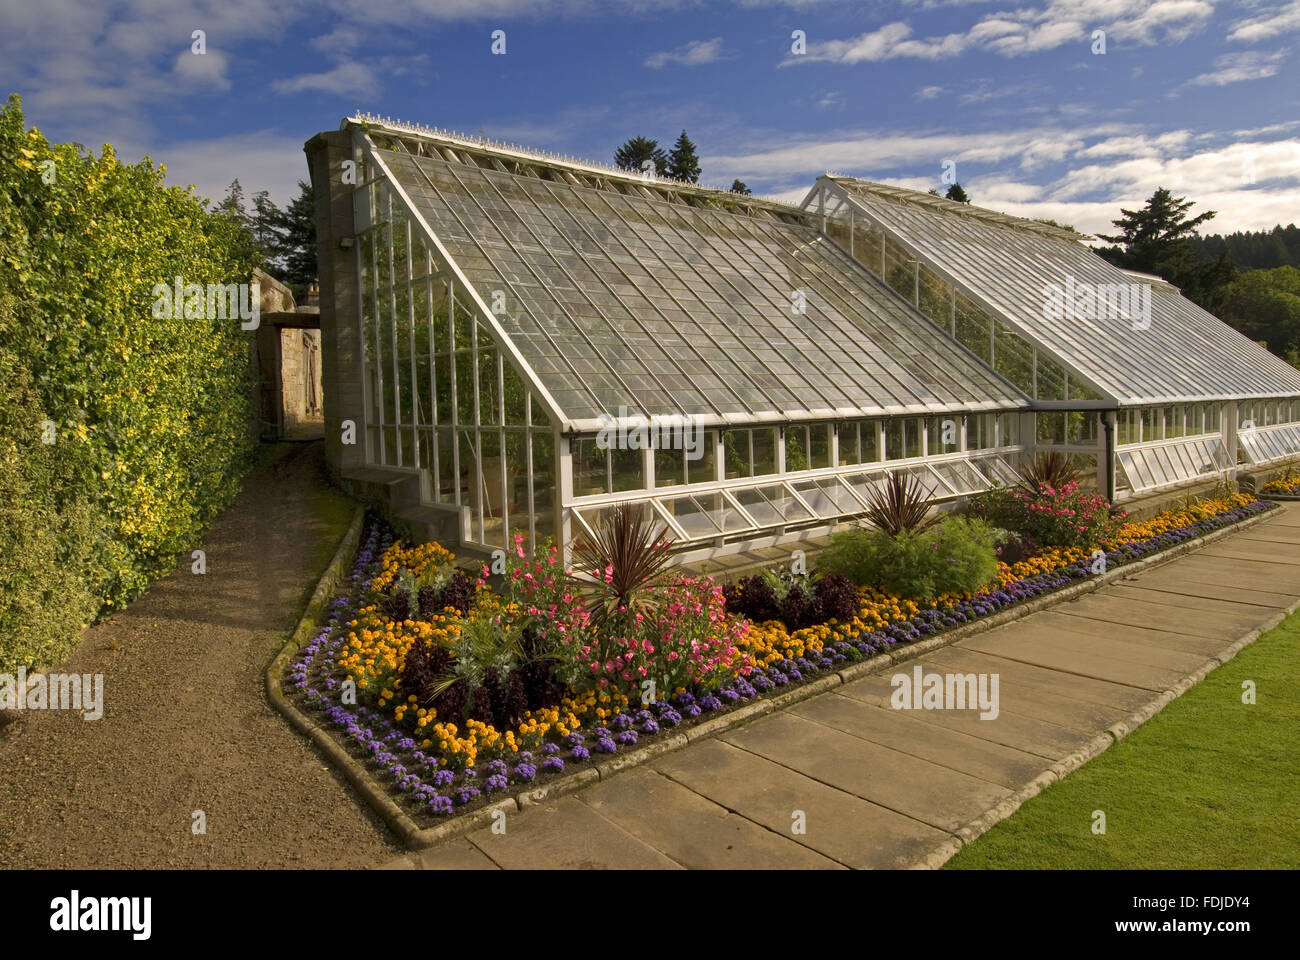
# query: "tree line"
282,242
1225,275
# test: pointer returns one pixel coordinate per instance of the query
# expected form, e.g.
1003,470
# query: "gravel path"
186,724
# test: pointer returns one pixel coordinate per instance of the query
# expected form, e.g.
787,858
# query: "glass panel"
772,505
1160,465
515,395
704,468
900,271
1013,357
960,475
868,244
1173,423
868,436
911,438
973,327
936,298
827,497
1051,379
544,486
1151,428
942,435
764,440
590,467
796,448
893,439
864,484
628,469
1008,427
670,467
735,445
694,517
847,438
819,448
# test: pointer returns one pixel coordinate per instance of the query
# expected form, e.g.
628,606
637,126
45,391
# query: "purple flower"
553,763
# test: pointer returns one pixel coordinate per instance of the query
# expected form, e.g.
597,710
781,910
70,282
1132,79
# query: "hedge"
151,417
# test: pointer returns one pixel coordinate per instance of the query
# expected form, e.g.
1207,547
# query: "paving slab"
1194,596
839,825
906,784
458,854
567,835
694,831
1027,703
1115,697
1122,642
898,730
1088,664
1280,555
1255,574
1182,584
1112,609
1044,738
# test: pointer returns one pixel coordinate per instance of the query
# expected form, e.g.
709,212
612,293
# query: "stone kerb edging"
377,796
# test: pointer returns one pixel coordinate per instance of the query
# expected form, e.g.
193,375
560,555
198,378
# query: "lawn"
1210,782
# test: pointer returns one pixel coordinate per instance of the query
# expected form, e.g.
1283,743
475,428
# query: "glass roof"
616,299
1178,352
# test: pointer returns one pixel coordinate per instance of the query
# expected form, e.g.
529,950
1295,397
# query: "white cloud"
1236,67
929,93
1280,19
688,55
348,78
202,69
1025,30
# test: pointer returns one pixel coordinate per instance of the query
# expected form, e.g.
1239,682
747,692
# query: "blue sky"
1197,95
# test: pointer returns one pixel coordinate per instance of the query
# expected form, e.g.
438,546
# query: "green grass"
1209,782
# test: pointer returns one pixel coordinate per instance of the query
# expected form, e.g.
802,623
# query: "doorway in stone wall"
302,414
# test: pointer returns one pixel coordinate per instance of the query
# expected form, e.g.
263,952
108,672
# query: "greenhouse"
520,341
1175,394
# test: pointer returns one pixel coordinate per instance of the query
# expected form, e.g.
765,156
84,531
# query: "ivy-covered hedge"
150,416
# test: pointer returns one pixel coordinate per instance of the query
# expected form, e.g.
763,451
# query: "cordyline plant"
1050,470
628,555
899,506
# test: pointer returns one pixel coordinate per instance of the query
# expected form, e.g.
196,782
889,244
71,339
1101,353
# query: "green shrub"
956,556
49,528
152,416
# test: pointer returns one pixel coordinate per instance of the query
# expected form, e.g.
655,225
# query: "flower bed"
1287,485
435,767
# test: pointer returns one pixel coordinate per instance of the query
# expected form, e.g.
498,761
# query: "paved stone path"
886,788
